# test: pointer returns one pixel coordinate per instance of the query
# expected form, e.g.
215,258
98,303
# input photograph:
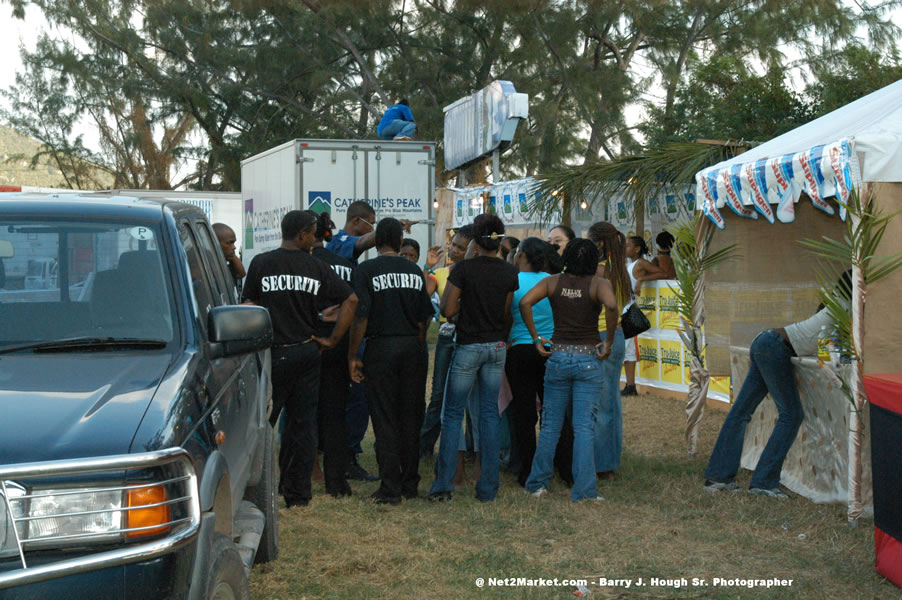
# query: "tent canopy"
861,141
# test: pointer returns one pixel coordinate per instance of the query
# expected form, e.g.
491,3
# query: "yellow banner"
648,302
668,313
720,385
671,361
648,358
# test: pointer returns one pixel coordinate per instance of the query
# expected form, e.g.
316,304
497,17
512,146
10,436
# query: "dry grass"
656,522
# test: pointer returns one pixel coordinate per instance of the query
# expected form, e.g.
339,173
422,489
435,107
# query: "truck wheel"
265,497
228,579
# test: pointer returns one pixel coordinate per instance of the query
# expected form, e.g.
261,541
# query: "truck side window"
213,253
203,297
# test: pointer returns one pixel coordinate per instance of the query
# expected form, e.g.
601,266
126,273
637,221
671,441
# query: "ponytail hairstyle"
639,242
611,244
536,251
580,258
488,230
324,227
664,241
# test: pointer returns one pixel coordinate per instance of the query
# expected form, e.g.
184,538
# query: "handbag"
633,322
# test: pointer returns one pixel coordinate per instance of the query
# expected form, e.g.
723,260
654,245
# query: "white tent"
858,143
866,134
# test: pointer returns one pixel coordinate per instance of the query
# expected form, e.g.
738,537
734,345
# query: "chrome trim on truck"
182,529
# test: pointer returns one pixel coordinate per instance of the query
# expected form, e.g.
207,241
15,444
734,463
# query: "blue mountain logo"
319,202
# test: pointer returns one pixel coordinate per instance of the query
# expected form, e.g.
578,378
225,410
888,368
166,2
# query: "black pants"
395,380
295,387
334,390
525,370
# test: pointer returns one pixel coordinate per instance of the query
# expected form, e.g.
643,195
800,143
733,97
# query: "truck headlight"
65,512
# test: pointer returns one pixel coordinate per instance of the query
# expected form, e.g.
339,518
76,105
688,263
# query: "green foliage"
670,167
722,99
865,228
853,72
210,82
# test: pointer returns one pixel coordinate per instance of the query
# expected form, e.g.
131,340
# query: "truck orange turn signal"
152,514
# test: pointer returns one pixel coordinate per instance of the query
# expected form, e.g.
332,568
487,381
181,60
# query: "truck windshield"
71,279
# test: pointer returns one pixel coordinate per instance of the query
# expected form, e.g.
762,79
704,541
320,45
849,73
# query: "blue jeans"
576,376
398,128
473,364
609,412
770,373
432,423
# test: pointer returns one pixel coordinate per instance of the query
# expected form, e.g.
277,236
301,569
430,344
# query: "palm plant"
865,228
691,261
637,177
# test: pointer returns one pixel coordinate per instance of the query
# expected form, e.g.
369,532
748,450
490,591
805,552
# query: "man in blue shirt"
397,123
358,234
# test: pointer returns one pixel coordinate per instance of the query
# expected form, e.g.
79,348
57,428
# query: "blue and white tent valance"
827,157
770,187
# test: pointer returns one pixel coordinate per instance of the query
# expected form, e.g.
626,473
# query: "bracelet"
429,270
537,340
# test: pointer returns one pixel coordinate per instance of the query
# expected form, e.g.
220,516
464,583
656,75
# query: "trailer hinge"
304,159
431,163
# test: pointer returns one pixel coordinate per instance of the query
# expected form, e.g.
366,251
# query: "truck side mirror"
6,249
239,330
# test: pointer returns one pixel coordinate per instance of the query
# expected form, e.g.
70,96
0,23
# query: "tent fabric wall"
817,464
771,284
883,316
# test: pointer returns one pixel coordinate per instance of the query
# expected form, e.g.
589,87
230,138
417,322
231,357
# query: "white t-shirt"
804,334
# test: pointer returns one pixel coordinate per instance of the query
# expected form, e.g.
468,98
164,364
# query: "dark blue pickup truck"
136,456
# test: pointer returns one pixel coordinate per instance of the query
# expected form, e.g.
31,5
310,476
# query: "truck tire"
228,578
264,495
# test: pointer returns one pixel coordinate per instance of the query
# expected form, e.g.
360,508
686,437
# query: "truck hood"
56,406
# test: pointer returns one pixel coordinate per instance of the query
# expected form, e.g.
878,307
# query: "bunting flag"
753,188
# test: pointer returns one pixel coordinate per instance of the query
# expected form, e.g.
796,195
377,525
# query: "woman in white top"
639,270
770,373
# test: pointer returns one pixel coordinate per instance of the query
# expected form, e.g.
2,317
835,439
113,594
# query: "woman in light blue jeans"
478,292
608,432
574,373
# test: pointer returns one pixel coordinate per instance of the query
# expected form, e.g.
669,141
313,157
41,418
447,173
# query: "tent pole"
857,382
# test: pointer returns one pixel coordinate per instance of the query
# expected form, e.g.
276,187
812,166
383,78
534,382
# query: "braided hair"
612,244
580,258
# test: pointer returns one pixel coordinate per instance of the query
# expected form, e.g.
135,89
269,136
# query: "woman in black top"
478,292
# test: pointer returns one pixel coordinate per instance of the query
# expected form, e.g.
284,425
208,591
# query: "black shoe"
440,497
289,503
358,473
629,390
410,495
378,498
340,492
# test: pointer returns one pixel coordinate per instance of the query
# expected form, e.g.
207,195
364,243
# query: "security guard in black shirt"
393,313
295,287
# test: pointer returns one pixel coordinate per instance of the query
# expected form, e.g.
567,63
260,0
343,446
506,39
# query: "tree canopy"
206,83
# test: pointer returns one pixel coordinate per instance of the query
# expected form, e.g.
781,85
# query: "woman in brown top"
575,368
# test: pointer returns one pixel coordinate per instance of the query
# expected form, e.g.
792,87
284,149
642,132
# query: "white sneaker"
538,493
599,498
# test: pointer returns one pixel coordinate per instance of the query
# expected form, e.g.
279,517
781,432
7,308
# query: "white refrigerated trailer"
396,178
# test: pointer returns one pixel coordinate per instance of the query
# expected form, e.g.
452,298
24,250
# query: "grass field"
656,522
